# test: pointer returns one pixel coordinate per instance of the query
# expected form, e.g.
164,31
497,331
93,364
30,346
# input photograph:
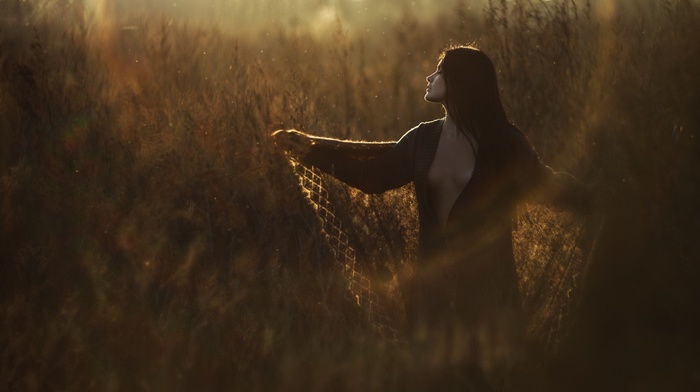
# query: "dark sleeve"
538,183
389,169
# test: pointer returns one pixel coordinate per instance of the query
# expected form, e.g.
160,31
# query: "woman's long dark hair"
472,97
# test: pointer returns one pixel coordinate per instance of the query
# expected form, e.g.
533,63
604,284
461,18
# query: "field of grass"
152,238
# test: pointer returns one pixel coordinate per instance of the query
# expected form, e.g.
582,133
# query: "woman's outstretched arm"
370,167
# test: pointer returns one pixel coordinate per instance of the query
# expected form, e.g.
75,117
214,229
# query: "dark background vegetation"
153,239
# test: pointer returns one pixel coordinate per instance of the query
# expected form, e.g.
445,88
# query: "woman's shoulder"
432,123
427,127
420,131
435,124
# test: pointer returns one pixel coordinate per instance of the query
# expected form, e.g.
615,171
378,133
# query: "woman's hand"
292,141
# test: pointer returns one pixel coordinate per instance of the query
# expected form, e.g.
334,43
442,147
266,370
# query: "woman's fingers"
292,141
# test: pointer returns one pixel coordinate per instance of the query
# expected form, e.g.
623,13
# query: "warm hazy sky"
228,13
233,14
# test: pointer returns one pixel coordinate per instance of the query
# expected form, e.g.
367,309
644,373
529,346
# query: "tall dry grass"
153,239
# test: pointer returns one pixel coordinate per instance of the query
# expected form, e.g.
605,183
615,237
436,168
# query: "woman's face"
437,89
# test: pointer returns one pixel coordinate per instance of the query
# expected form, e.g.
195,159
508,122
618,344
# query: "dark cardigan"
465,270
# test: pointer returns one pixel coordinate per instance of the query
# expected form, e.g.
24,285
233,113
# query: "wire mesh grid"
359,285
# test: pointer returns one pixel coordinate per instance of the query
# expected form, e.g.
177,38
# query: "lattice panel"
359,286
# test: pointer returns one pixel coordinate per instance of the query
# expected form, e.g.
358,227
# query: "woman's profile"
470,169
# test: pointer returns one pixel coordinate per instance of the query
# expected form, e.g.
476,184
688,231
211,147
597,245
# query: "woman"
470,170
